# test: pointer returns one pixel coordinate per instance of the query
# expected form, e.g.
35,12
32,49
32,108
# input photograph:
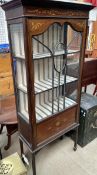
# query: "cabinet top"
66,4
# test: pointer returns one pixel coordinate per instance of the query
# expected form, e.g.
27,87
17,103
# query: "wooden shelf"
37,56
20,57
44,85
22,88
57,53
45,110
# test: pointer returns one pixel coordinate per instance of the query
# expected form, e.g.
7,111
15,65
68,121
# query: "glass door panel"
74,40
53,53
17,40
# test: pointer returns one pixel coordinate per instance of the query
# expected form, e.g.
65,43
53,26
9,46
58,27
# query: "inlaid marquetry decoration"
39,26
55,12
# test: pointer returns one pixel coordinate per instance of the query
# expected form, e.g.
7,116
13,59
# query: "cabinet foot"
76,139
1,128
75,148
9,142
0,154
21,147
62,137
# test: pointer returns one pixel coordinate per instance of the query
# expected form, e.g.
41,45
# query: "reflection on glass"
73,40
17,40
73,61
21,84
21,73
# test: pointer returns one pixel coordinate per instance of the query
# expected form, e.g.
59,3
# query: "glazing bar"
52,69
19,37
52,84
43,39
58,91
48,44
65,62
43,59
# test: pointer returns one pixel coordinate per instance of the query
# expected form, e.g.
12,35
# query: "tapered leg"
62,137
1,128
21,147
9,142
9,137
95,90
76,138
0,154
33,164
85,89
11,129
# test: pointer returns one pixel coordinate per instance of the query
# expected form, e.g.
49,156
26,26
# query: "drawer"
6,86
55,124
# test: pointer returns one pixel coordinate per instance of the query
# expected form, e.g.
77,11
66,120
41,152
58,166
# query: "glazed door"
55,51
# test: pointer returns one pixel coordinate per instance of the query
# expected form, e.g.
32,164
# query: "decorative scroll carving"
79,26
55,12
36,26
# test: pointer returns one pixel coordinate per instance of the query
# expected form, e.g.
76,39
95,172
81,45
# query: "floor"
58,158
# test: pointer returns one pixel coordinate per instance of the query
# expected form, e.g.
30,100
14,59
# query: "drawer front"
6,86
25,133
55,124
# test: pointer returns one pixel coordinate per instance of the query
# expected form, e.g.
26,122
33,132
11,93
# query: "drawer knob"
58,123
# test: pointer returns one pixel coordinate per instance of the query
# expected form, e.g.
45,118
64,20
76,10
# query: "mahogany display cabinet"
45,38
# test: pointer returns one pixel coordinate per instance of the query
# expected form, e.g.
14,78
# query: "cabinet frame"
35,19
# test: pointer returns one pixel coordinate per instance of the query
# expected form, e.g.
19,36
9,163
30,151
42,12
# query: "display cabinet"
46,37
